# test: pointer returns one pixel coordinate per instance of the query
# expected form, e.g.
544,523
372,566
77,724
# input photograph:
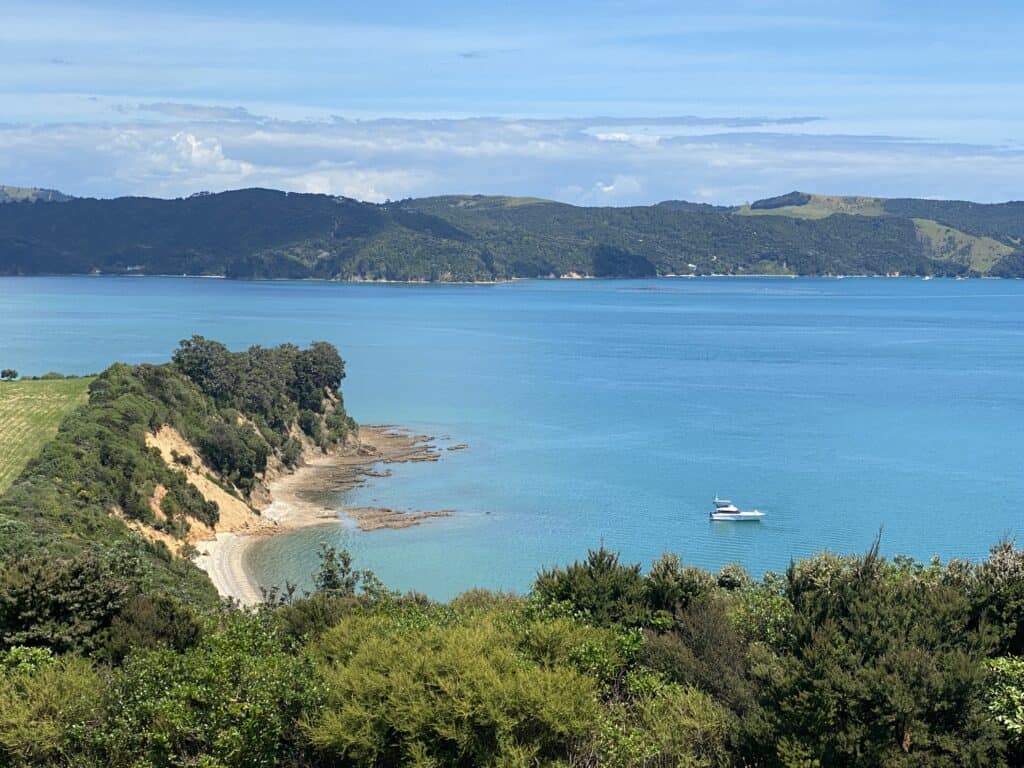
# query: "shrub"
706,652
291,452
457,693
675,726
236,698
734,576
47,711
151,621
672,586
63,604
236,451
309,423
1005,699
601,587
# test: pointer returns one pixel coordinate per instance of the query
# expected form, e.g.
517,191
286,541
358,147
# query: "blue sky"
596,103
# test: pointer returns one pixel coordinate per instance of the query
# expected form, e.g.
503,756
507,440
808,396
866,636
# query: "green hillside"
978,253
98,482
806,206
984,239
31,195
259,233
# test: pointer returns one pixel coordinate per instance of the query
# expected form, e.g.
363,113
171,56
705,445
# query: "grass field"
820,207
980,253
29,414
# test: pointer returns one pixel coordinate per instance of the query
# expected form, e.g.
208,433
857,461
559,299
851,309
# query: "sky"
595,103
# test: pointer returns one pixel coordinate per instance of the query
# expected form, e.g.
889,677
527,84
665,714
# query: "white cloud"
620,188
720,160
205,154
373,186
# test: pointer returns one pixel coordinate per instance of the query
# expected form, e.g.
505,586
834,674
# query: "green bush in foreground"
49,710
426,688
236,698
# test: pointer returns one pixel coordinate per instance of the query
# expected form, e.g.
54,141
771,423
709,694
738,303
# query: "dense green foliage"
842,661
258,233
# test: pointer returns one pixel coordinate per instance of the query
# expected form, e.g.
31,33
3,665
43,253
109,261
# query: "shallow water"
614,410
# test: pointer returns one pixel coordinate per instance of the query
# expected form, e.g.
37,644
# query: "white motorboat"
726,510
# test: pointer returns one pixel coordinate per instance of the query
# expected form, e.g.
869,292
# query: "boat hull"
737,517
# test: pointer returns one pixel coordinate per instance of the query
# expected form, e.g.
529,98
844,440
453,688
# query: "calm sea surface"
614,411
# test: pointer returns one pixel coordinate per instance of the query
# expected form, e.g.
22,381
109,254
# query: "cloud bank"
729,102
595,161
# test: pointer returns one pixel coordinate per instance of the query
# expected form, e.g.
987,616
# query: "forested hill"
159,457
259,233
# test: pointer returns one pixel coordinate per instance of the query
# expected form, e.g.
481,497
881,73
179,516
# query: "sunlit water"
614,411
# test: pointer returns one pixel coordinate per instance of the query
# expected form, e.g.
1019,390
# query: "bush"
601,587
672,586
48,709
675,726
183,499
151,621
309,423
64,604
706,652
1005,699
734,576
457,693
236,451
236,698
291,452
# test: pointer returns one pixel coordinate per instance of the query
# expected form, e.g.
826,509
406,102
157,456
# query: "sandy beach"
298,499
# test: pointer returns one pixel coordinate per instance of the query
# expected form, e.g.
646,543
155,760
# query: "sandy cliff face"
238,513
235,514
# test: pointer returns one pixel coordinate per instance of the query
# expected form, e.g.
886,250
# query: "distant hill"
31,195
261,233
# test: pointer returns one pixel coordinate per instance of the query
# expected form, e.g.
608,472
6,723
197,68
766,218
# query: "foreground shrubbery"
842,661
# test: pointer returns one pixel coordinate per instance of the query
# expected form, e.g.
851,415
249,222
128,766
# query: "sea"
612,412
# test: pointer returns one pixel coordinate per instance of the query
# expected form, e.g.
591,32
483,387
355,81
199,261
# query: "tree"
1006,701
317,369
64,604
602,587
888,668
336,578
9,374
210,365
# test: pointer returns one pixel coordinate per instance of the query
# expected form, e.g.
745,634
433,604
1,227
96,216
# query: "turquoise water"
614,410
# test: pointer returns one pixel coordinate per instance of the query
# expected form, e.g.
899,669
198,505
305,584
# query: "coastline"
568,277
297,500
